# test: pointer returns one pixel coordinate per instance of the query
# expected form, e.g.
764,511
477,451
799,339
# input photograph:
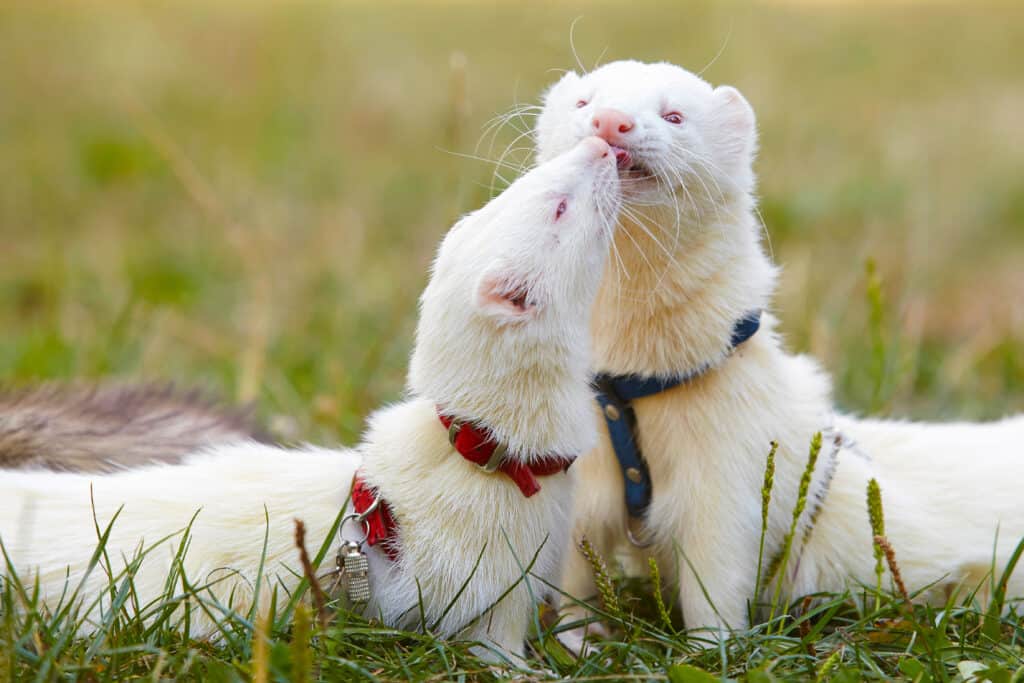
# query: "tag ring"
361,519
637,540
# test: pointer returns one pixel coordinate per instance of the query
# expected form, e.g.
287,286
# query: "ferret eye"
562,206
673,117
581,103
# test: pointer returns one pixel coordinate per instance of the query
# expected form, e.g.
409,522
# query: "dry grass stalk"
319,598
894,567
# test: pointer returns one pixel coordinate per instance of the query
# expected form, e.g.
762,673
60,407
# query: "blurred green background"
246,195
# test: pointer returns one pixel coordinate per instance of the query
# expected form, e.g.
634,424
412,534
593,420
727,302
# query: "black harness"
616,394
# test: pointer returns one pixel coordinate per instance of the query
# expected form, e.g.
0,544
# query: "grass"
247,196
823,637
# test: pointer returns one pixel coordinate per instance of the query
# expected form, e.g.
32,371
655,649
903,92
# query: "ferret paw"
575,639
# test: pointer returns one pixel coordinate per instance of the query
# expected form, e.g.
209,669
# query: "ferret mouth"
628,166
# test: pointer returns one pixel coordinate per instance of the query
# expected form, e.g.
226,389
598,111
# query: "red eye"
581,104
562,206
673,117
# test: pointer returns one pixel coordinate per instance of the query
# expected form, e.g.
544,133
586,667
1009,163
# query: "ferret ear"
506,297
737,124
570,79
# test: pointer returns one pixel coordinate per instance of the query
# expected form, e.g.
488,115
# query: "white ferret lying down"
501,348
690,265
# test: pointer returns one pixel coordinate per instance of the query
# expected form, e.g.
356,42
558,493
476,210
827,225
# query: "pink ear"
505,296
738,129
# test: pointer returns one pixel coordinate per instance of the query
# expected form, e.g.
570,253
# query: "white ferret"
690,264
502,347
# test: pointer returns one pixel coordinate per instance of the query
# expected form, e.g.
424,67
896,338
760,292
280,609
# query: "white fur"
521,369
238,493
689,263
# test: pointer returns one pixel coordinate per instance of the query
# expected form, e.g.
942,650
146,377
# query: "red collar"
473,444
380,523
478,446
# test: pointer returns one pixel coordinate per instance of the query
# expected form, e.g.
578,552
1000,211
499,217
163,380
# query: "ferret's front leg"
502,631
716,568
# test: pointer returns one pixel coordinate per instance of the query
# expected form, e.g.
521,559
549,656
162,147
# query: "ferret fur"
105,427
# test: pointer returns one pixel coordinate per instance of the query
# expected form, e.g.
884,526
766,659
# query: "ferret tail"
106,427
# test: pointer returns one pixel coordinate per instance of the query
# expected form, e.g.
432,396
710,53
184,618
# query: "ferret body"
102,428
502,343
689,265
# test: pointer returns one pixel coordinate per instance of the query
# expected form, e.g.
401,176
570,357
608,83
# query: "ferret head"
675,136
503,330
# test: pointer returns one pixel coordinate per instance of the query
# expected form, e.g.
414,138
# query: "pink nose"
612,124
595,147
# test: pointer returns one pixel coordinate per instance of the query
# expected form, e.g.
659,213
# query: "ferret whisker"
572,44
637,219
715,204
684,169
692,203
509,149
677,234
610,210
707,165
475,157
495,125
625,230
641,220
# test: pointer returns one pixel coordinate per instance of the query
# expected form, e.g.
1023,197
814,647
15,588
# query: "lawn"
246,196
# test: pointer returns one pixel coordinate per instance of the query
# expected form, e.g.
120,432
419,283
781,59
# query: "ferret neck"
669,300
537,402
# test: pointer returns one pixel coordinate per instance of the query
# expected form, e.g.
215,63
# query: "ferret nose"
595,147
612,124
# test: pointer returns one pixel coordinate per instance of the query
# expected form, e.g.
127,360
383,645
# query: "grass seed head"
603,581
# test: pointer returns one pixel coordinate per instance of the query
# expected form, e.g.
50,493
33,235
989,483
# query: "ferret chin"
689,265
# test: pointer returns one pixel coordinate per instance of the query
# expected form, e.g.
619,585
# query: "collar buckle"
493,461
454,427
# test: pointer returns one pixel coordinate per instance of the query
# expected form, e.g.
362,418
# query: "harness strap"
616,393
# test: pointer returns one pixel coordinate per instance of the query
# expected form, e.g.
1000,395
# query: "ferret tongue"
622,157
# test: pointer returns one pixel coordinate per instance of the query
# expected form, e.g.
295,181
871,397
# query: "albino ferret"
501,349
690,266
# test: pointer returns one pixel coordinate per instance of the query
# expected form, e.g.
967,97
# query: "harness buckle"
635,524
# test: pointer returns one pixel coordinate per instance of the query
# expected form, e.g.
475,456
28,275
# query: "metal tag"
352,563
